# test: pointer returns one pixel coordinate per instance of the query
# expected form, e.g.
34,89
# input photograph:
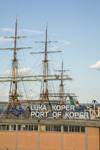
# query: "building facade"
17,134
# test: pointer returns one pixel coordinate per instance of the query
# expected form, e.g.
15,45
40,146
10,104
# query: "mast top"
15,37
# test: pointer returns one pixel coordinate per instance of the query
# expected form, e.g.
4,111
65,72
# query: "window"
30,127
82,129
35,128
66,128
53,128
13,127
48,128
77,129
25,127
19,127
42,128
71,128
56,128
7,127
3,127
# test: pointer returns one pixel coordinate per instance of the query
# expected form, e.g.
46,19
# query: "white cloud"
21,30
31,31
97,87
34,96
56,66
24,70
7,94
95,66
2,39
65,42
7,72
7,29
54,34
20,71
54,47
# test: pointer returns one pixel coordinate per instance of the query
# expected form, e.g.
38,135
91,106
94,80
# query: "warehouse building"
30,134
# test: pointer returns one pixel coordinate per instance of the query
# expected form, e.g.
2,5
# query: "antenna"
94,101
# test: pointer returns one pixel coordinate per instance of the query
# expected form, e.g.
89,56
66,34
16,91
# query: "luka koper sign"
40,111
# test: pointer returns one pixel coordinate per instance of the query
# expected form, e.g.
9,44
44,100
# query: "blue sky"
75,24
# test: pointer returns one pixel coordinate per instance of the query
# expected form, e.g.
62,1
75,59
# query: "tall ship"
55,120
46,97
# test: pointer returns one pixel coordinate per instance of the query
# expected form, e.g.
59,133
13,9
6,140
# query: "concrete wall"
27,140
50,141
93,138
74,141
7,140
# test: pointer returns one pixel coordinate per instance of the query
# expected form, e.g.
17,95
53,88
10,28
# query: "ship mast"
45,68
45,92
61,88
15,67
13,95
61,84
44,96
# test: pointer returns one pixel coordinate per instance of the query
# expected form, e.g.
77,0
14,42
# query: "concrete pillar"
38,137
10,127
61,137
16,137
86,139
99,138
